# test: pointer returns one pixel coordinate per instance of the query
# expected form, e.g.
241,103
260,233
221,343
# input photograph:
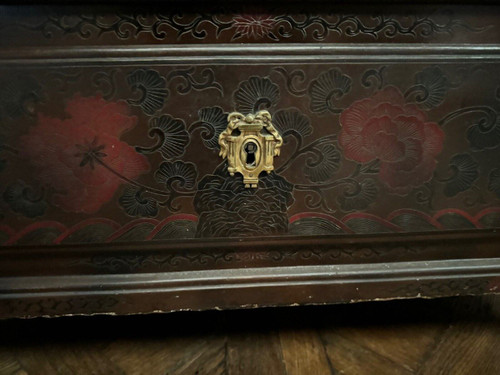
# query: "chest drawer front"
110,152
130,153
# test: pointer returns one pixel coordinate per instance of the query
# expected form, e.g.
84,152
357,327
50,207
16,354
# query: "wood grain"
402,344
466,348
255,353
455,336
304,353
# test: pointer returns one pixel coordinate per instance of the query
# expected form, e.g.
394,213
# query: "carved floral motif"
386,128
17,96
464,172
152,88
253,25
135,203
255,94
75,155
326,89
171,134
24,199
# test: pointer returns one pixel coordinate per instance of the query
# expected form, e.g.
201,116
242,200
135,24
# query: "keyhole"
250,149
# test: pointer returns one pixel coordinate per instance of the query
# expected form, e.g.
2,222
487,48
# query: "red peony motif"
384,127
254,25
82,157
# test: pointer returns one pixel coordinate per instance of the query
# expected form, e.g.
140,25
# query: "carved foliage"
252,26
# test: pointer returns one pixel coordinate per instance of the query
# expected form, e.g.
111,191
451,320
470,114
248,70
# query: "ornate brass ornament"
250,143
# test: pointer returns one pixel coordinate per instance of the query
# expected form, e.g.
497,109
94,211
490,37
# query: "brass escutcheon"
250,144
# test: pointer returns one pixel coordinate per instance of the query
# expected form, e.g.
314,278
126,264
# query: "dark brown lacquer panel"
110,165
131,153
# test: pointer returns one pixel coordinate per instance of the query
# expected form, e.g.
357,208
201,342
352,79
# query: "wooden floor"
446,336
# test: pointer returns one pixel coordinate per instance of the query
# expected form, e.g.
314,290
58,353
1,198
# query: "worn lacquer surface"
114,198
119,151
132,153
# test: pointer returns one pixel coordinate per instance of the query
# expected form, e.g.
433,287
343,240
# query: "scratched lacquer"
130,152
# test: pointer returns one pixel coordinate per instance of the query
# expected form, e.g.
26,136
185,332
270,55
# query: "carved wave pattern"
185,226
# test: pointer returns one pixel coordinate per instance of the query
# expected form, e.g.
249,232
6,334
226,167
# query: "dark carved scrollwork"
212,121
206,80
171,134
152,88
255,94
327,88
458,287
373,77
253,26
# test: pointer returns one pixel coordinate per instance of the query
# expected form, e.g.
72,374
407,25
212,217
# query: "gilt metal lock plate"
250,144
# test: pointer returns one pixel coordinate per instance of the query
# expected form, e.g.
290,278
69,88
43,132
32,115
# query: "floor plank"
405,345
466,349
254,353
210,360
455,336
67,360
160,354
349,358
9,364
304,353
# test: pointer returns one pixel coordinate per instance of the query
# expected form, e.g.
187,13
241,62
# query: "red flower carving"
81,157
254,25
384,127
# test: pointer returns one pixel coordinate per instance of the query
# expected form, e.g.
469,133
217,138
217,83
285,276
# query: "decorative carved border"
161,292
206,254
198,54
248,23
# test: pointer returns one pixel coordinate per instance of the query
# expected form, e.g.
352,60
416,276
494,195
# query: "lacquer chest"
184,155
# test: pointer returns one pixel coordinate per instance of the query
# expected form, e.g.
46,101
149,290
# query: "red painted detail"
81,156
398,134
486,211
423,215
170,219
30,228
129,226
359,215
6,229
85,223
456,211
